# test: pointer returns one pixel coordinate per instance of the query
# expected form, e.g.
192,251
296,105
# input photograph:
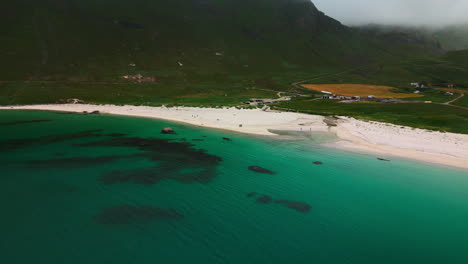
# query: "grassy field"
426,116
462,102
209,95
433,95
363,90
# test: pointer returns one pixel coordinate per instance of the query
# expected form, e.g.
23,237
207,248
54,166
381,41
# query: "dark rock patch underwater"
129,214
173,160
23,122
298,206
14,144
76,162
259,169
265,199
178,161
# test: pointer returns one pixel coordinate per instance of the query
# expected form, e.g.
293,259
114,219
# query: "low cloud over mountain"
407,12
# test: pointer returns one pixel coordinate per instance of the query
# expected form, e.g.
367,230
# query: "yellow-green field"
363,90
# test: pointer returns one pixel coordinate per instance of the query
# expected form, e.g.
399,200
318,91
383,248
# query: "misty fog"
396,12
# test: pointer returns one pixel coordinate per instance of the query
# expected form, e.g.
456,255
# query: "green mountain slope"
459,58
93,40
53,49
447,38
453,37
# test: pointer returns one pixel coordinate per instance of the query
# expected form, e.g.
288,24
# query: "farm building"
263,101
340,97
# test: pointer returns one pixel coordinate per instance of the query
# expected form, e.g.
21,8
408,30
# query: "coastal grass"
119,93
419,115
433,95
463,102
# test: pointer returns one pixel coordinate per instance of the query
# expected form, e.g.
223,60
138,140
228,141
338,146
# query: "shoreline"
369,137
447,149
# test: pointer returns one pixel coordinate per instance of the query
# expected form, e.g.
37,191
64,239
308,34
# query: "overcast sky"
413,12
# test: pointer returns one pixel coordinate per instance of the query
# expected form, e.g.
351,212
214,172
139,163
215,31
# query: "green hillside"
459,58
448,38
97,40
453,37
185,51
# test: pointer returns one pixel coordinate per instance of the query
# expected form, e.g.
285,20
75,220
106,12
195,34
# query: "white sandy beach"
385,140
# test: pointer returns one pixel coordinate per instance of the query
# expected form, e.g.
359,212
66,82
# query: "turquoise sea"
78,188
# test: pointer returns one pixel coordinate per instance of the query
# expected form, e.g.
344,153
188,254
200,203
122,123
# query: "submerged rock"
227,139
381,159
23,122
115,135
265,199
168,131
129,214
14,144
77,162
261,170
167,155
298,206
318,163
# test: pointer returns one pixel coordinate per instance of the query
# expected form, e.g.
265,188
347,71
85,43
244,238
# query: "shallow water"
111,189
